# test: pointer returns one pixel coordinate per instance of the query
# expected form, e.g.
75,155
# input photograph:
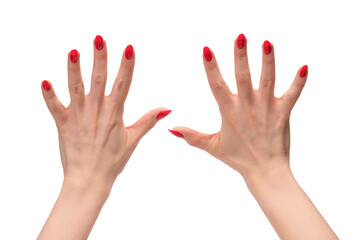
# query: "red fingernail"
129,50
46,85
303,71
207,54
241,41
163,114
267,47
99,42
176,133
74,55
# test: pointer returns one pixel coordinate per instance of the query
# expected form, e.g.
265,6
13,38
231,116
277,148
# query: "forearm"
287,207
75,211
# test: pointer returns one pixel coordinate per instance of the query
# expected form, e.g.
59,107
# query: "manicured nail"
74,56
303,71
241,41
207,54
46,85
267,47
176,133
99,42
163,114
129,50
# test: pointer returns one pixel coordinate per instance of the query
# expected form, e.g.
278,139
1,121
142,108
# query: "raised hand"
94,143
254,139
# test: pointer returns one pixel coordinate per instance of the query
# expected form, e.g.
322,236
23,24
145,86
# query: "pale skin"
94,143
254,140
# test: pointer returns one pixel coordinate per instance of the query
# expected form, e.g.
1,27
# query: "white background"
170,190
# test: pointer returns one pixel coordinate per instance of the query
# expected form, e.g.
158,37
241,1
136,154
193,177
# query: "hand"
94,143
254,135
254,139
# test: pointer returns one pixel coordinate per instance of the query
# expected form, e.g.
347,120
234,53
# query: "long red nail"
74,56
46,85
163,114
129,50
303,71
241,41
99,42
176,133
207,54
267,47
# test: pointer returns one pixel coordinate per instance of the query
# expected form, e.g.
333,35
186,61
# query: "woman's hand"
254,139
254,135
94,143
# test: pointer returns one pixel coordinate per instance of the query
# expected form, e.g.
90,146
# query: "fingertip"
241,41
129,52
176,133
46,85
99,42
162,114
208,56
74,56
303,71
267,47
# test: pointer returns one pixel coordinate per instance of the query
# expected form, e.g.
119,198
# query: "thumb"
194,138
147,122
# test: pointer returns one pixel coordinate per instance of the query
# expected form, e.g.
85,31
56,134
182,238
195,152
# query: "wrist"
270,175
88,188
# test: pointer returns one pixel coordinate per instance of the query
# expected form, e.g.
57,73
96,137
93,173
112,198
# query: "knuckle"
99,80
218,85
267,82
243,77
122,85
77,88
194,141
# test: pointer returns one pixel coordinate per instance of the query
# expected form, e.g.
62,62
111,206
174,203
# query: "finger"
99,73
75,82
193,138
123,79
267,79
55,107
293,93
242,71
217,84
147,122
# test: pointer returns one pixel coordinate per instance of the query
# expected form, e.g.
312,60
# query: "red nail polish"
207,54
74,56
46,85
267,47
241,41
129,50
163,114
176,133
303,71
99,42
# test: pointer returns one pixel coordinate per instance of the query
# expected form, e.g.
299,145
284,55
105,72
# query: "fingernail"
176,133
46,85
303,71
74,56
241,40
99,42
163,114
129,50
207,54
267,47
